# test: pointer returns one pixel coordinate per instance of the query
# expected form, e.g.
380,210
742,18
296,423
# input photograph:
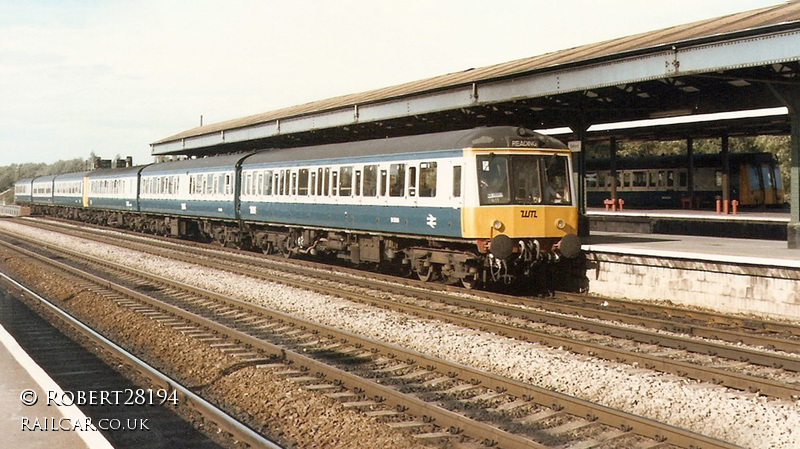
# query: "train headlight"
560,223
497,225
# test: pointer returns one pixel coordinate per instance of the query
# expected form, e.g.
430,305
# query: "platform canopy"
729,63
739,62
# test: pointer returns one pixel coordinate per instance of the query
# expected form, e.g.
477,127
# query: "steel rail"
639,425
685,369
240,432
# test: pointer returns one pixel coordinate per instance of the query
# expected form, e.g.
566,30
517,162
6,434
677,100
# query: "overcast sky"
111,77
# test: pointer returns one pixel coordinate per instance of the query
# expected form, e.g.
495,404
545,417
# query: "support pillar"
726,172
579,128
690,167
793,231
612,149
790,96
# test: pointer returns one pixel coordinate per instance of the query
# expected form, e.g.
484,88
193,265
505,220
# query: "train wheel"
425,274
469,282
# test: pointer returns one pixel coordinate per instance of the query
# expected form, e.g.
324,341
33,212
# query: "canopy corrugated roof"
711,29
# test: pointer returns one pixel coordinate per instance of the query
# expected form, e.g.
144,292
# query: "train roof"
486,137
225,161
72,175
114,172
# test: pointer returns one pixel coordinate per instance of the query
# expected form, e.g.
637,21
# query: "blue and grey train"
482,206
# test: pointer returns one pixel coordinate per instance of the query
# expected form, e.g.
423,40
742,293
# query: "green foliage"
9,174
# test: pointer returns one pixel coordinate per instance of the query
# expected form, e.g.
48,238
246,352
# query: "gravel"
740,418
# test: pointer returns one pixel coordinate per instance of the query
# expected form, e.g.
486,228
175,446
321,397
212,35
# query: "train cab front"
525,218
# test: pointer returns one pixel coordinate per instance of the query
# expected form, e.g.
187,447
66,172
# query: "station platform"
751,276
37,426
749,224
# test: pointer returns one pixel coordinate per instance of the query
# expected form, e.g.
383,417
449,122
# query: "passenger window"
345,181
320,175
397,179
294,183
412,181
327,181
370,180
457,181
281,183
427,179
334,182
268,183
303,182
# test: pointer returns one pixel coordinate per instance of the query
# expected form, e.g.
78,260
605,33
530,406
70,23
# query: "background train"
484,206
663,181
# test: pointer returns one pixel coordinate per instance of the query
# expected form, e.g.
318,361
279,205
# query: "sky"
110,77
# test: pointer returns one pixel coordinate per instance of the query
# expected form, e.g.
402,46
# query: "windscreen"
523,179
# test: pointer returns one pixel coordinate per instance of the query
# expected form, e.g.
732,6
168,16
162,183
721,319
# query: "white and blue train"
482,206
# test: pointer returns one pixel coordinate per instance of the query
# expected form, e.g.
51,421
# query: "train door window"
260,184
248,184
346,181
662,178
456,181
358,182
191,185
766,173
370,180
334,182
210,184
281,183
670,178
640,179
397,179
412,181
294,183
320,176
383,181
302,182
603,180
276,183
626,179
427,179
268,183
653,179
326,181
492,180
313,183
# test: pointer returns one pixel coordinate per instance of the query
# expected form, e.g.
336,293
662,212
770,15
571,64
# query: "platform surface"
18,373
713,249
776,216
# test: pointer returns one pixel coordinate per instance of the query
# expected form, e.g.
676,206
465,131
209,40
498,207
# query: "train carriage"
204,187
42,190
68,189
483,205
113,189
23,191
663,181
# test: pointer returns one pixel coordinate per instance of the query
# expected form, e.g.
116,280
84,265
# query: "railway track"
64,357
710,347
416,391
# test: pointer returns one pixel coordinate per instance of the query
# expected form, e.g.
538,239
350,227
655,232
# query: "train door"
770,195
86,191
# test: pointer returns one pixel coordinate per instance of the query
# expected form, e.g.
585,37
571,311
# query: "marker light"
560,223
497,224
